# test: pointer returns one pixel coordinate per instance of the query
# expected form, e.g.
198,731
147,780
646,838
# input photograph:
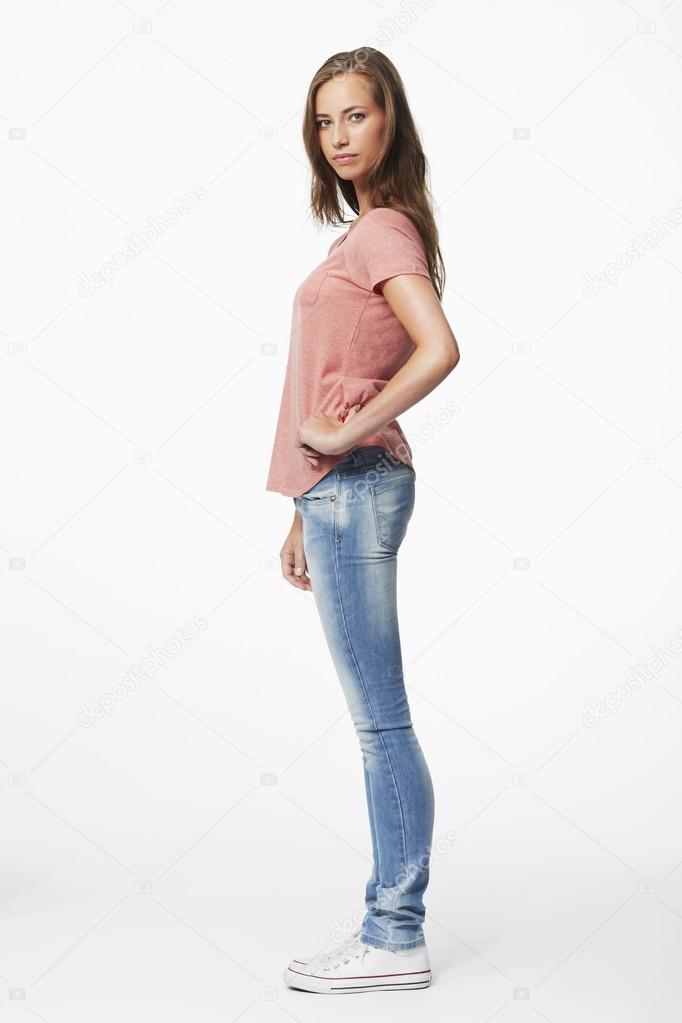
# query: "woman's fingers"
350,412
301,568
311,456
294,568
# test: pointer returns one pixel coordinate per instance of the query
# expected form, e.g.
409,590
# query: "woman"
369,340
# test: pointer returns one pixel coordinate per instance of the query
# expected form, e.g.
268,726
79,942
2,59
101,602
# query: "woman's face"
349,122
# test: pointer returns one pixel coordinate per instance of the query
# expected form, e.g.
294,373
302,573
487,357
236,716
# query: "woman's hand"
292,557
323,435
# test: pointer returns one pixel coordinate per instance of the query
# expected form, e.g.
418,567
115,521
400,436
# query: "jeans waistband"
370,454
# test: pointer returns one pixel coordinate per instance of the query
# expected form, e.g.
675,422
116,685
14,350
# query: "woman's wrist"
349,434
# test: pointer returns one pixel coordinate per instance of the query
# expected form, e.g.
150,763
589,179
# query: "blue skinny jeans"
354,520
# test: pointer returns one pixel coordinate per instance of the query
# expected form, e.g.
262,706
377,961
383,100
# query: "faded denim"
354,521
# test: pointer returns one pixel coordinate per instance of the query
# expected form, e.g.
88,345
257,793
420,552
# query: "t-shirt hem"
378,438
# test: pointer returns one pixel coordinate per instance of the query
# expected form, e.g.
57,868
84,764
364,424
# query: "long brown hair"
399,177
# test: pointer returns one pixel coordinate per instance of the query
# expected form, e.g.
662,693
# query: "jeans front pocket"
322,492
317,498
393,504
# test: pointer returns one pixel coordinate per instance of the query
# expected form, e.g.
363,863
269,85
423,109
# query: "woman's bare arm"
414,301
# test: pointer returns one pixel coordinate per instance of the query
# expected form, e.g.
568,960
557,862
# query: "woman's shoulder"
385,221
388,216
374,224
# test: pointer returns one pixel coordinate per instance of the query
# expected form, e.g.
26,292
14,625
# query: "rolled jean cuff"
391,946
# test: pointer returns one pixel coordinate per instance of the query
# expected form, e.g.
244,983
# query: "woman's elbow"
443,354
452,357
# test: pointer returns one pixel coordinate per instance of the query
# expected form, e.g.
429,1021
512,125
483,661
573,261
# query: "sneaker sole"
349,985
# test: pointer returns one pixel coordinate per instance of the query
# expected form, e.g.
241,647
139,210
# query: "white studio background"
172,855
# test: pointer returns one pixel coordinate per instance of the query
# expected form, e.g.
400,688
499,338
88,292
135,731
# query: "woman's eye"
325,120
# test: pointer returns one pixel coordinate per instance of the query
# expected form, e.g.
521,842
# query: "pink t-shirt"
346,342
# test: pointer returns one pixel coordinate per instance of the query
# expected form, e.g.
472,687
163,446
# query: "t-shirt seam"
398,227
370,293
282,482
354,335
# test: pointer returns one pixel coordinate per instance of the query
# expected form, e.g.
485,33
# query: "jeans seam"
373,829
375,510
369,704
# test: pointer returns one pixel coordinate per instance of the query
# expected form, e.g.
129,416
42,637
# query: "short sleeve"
388,245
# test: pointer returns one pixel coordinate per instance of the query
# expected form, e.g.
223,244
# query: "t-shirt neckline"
344,236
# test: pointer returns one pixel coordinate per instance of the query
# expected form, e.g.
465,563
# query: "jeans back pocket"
392,504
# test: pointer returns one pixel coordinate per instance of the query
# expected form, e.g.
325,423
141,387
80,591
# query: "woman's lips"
344,159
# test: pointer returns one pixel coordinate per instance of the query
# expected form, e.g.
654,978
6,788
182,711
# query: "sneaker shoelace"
330,950
351,947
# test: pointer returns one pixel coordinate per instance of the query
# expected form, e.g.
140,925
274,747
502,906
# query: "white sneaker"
355,966
328,950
